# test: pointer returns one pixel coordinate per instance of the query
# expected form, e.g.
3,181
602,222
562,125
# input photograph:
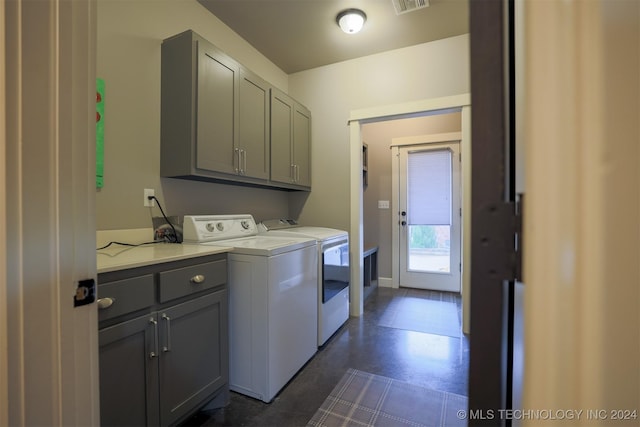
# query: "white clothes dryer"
334,274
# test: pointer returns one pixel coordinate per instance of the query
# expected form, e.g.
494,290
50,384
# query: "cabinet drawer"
188,280
128,295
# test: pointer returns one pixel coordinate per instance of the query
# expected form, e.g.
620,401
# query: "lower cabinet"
193,362
129,373
158,368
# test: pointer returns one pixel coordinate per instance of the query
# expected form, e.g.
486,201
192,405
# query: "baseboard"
385,282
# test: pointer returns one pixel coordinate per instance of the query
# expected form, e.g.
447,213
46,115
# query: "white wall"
430,70
130,34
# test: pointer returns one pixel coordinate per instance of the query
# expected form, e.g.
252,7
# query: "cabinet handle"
197,279
241,156
244,162
297,173
105,303
154,353
293,173
167,347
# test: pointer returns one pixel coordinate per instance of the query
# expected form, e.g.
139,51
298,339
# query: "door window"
429,196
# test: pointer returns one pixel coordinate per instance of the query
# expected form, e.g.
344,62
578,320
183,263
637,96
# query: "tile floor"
412,346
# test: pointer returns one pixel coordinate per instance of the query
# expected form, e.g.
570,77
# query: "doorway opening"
359,120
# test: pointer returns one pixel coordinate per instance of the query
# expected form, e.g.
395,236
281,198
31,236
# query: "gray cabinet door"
193,354
281,137
302,145
252,152
290,141
217,110
129,373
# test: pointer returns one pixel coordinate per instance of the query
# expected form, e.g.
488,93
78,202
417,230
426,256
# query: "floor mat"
364,399
423,315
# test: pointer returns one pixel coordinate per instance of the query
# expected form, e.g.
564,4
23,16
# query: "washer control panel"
209,228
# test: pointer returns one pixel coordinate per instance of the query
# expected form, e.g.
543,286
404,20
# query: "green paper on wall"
99,133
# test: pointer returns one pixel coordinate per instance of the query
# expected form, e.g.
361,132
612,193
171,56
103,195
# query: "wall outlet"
148,192
383,204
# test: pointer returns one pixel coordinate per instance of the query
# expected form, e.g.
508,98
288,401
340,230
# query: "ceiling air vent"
405,6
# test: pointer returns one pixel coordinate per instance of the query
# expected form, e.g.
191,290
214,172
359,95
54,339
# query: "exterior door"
429,216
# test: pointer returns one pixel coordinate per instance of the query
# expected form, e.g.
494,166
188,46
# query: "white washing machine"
272,301
334,274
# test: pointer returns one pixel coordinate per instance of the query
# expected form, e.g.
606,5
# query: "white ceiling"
299,35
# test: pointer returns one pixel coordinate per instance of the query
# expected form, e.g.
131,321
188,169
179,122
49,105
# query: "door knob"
403,213
403,223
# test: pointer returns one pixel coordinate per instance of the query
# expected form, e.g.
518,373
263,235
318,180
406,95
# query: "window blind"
429,187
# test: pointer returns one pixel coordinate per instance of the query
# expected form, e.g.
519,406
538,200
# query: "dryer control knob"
210,227
220,226
245,224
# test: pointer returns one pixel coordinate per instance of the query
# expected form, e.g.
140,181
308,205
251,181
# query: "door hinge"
501,239
519,234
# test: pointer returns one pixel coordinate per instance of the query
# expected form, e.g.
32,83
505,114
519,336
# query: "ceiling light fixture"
351,20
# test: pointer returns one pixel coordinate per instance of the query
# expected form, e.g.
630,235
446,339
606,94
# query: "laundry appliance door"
335,269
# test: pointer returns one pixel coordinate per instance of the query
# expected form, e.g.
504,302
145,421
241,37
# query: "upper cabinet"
216,114
302,145
253,149
290,141
216,119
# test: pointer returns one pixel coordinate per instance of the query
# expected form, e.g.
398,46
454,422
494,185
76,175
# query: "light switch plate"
383,204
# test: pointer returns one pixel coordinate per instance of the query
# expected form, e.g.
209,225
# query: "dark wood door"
494,223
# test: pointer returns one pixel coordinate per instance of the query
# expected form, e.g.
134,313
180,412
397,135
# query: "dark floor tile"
435,361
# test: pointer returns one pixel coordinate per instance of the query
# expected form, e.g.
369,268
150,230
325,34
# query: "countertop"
119,257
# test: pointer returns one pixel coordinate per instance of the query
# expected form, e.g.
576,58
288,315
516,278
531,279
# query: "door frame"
441,138
357,118
48,347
